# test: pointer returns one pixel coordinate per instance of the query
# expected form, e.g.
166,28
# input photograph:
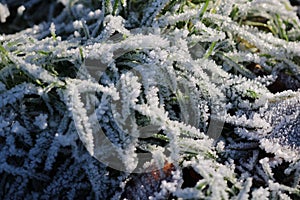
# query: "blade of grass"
203,10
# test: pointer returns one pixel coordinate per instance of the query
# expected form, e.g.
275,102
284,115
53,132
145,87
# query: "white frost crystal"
284,116
180,92
41,121
21,10
4,13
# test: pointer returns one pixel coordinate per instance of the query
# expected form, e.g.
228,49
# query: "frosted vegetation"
191,99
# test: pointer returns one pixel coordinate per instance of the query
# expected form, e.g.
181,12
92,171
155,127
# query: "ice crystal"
4,13
285,119
151,99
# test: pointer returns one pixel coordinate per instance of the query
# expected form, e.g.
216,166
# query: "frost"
261,193
4,13
21,10
65,2
285,118
150,100
41,121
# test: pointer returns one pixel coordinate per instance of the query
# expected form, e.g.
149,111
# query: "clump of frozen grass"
166,72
